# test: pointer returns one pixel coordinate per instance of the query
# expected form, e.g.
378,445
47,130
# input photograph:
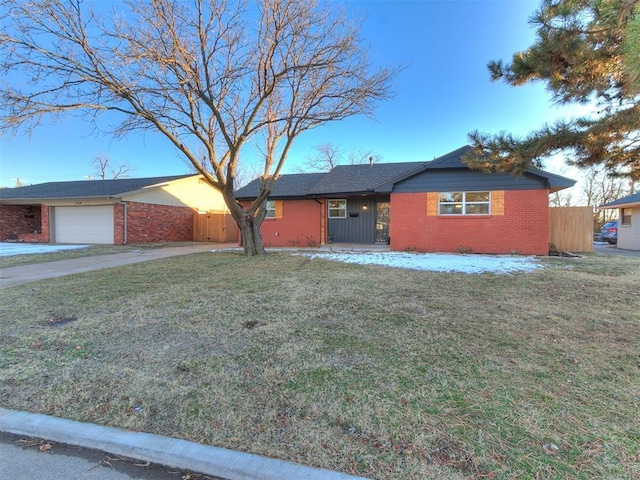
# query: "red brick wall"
46,223
154,223
145,223
26,223
118,224
524,227
298,227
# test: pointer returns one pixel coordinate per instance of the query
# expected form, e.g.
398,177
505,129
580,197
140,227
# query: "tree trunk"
248,222
251,236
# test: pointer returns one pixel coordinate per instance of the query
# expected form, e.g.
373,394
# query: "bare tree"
327,156
104,168
361,156
600,187
561,199
209,75
246,173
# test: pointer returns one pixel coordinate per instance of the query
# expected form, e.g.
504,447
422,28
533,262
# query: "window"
625,214
337,209
271,209
464,203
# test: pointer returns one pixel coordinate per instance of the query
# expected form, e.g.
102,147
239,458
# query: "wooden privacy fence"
571,228
214,227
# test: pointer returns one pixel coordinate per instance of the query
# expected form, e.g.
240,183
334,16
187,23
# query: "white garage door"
90,224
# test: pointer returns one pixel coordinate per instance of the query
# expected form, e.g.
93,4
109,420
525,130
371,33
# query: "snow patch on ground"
435,262
8,249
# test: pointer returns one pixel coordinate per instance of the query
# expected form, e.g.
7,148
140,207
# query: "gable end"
451,180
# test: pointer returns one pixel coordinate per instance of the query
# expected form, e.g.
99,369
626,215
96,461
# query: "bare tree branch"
104,168
327,156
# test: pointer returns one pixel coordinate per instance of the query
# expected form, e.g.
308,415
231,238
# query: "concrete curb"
170,452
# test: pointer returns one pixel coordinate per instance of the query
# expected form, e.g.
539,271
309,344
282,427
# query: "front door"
382,222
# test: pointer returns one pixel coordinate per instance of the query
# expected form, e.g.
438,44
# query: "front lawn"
375,371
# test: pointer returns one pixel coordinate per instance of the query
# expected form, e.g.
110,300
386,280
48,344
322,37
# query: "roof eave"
340,194
555,182
618,205
38,200
21,201
274,197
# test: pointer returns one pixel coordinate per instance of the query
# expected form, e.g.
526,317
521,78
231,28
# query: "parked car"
609,232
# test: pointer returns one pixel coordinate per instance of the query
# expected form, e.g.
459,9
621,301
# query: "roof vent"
371,161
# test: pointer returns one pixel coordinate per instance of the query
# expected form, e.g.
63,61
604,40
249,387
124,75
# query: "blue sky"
444,93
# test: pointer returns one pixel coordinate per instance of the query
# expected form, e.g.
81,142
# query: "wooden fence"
214,227
571,228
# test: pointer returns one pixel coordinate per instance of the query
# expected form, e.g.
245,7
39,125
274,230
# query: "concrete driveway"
40,271
612,250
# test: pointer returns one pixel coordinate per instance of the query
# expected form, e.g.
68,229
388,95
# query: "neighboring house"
130,210
628,221
437,206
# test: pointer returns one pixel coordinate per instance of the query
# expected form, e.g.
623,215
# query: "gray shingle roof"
295,185
361,178
379,177
451,159
628,200
340,180
84,188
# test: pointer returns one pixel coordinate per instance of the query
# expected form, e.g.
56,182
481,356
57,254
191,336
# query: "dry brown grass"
380,372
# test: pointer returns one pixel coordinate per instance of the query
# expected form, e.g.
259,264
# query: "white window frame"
627,217
270,206
464,204
337,209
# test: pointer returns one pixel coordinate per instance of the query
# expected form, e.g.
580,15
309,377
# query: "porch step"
355,247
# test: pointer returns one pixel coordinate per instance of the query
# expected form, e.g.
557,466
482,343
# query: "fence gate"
214,227
571,228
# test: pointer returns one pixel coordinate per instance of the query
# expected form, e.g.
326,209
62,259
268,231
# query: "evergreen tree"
585,50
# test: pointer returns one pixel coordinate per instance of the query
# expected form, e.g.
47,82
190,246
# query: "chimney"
371,161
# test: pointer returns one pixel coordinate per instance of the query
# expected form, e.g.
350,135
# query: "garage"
116,211
86,224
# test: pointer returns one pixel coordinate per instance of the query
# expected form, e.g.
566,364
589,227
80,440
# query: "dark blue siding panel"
355,229
447,180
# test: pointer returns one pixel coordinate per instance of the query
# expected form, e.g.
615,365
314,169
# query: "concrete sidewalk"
40,271
145,447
